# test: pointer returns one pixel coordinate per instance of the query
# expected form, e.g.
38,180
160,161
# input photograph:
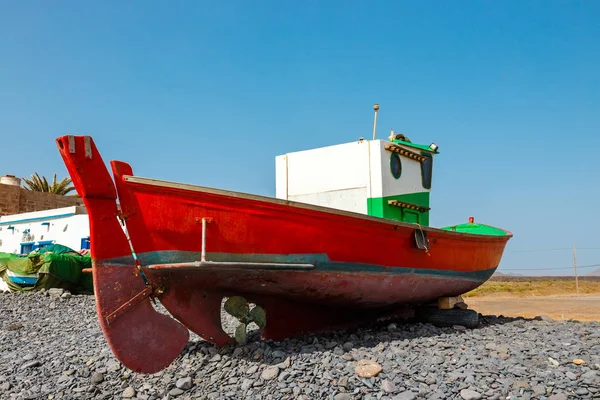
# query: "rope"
423,237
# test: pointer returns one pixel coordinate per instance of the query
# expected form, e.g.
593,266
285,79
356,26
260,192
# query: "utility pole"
575,268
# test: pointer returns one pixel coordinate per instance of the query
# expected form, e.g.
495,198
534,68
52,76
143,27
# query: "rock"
407,395
468,394
31,364
97,378
342,396
184,383
128,393
56,292
284,364
459,328
367,368
521,385
558,396
539,390
388,386
416,360
437,360
462,305
252,370
14,326
578,361
247,384
237,352
590,377
270,372
65,295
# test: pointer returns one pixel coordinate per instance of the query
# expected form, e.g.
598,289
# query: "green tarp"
54,266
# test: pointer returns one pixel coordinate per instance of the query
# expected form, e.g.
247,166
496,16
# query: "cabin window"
426,170
395,165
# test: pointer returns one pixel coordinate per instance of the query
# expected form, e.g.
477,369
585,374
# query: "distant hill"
594,273
500,274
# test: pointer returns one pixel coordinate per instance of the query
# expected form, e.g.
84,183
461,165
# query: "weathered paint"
361,262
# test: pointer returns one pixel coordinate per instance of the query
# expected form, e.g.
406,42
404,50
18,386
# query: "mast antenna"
376,108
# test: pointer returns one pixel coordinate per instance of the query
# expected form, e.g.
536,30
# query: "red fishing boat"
310,267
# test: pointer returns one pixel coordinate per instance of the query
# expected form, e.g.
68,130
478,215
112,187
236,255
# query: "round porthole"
395,165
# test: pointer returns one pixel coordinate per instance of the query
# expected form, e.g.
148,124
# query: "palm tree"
40,184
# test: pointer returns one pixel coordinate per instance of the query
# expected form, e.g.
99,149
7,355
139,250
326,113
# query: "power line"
555,249
547,269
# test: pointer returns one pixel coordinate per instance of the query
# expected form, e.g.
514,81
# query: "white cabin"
383,178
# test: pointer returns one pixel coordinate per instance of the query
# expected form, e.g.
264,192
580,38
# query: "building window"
41,245
395,165
26,248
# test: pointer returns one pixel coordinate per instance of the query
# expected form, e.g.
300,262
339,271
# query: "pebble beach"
52,347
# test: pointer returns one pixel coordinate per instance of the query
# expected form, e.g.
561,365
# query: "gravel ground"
53,348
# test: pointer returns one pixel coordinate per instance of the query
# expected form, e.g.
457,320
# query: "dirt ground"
583,308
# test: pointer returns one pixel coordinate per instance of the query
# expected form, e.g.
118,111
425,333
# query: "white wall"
67,231
334,176
349,200
409,181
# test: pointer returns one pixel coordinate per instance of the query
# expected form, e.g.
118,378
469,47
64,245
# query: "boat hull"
329,283
312,269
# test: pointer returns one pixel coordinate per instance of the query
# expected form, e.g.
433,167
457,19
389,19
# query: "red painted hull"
324,267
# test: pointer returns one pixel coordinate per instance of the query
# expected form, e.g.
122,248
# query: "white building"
22,233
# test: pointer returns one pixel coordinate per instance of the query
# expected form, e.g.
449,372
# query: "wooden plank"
448,303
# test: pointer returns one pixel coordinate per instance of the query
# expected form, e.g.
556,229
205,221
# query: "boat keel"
199,311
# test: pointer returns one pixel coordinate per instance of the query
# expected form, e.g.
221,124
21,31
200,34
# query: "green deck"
476,229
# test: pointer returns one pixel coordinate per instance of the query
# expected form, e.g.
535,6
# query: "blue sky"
210,92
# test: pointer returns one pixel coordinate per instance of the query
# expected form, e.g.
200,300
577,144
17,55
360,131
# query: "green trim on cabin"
379,207
415,146
477,229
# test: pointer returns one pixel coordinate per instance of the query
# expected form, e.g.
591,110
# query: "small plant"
238,307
